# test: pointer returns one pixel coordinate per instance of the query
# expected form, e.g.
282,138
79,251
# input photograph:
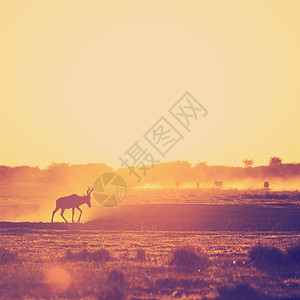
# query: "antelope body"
73,201
218,184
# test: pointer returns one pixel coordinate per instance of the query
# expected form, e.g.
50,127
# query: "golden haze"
83,80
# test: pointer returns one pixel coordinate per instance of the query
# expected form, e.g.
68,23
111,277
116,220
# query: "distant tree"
275,161
248,163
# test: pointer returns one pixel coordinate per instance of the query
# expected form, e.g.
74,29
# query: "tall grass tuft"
140,255
7,256
114,293
116,277
188,258
293,254
263,256
240,292
273,259
101,255
116,287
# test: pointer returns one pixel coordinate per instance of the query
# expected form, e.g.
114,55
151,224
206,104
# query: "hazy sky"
81,81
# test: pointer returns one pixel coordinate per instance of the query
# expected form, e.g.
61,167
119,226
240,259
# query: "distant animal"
73,201
218,184
266,185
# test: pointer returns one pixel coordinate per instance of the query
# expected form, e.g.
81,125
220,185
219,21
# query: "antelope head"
88,196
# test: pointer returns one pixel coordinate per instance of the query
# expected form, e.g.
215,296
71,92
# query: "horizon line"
163,162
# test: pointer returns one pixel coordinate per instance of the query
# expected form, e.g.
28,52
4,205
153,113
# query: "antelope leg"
55,210
62,215
73,209
80,214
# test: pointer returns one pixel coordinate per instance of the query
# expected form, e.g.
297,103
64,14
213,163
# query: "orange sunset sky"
81,81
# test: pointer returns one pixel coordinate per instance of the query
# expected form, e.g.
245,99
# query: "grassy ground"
54,264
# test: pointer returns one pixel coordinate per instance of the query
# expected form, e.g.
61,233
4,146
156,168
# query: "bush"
116,277
114,293
189,258
101,255
141,255
7,256
263,256
293,254
240,292
115,288
172,283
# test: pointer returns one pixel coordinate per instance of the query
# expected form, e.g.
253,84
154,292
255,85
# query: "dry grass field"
229,248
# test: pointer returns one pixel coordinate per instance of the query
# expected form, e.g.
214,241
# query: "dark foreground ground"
74,264
136,253
183,217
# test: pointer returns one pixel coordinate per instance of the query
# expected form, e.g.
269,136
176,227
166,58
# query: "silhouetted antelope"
218,184
72,201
